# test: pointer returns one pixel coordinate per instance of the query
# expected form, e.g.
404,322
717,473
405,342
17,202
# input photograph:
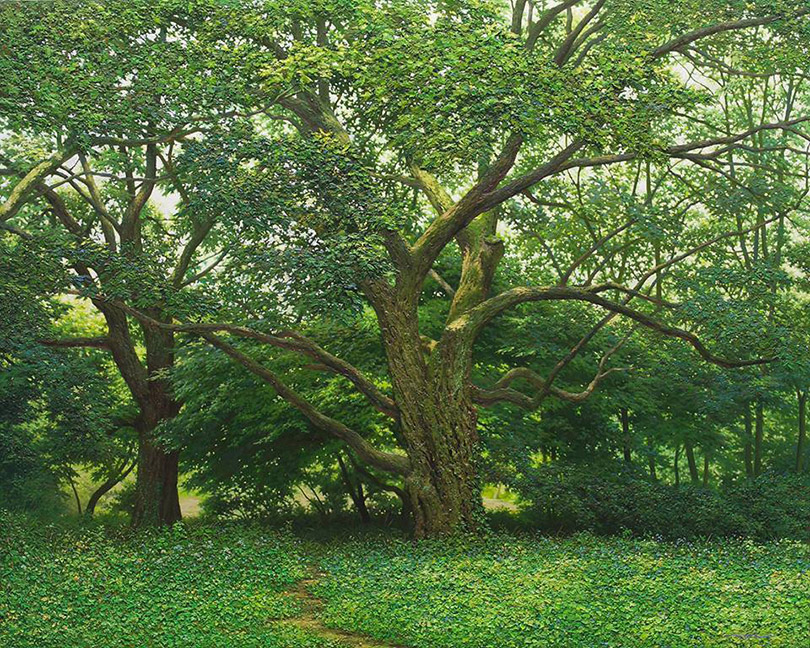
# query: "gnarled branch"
481,314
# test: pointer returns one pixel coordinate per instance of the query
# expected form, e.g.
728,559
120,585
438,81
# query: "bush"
613,498
776,506
26,482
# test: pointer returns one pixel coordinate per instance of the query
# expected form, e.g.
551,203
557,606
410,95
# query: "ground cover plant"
191,587
222,585
579,591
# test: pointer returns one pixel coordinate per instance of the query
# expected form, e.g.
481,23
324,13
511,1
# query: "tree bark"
651,459
156,498
157,501
690,459
625,417
438,423
759,434
802,438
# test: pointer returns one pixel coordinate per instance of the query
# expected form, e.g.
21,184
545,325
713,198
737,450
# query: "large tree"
378,139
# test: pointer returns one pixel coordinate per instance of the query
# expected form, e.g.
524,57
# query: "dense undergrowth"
615,498
206,585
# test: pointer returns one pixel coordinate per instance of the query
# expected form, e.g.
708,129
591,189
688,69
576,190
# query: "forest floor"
204,585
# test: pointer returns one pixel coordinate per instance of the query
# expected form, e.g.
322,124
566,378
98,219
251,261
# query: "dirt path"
308,619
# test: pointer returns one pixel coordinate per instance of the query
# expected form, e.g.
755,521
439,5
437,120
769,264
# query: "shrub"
564,498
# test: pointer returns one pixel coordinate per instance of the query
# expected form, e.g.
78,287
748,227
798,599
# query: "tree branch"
703,32
87,342
476,318
288,340
30,180
390,462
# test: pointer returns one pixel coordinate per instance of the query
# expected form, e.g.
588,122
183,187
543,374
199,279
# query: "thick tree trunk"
625,417
802,438
438,425
759,434
443,486
156,499
690,459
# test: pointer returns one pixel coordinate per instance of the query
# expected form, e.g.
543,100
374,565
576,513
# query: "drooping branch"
387,461
635,292
79,342
710,30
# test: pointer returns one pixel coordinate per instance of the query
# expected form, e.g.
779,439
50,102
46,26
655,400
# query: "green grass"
203,586
579,592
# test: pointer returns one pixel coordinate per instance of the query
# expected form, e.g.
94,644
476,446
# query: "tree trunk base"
156,499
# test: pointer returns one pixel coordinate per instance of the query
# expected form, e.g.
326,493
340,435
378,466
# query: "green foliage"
106,68
615,498
248,449
306,220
